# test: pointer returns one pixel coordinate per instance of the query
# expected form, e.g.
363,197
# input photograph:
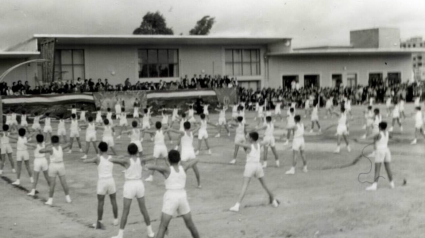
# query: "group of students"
175,199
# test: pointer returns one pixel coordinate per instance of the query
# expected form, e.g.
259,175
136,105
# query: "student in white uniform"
241,113
342,130
347,105
369,115
174,115
269,141
175,197
298,145
108,135
74,133
36,123
13,120
278,110
205,110
73,109
235,111
396,117
253,168
187,149
315,118
123,122
389,105
159,149
91,137
419,123
307,109
136,108
182,120
417,101
105,184
56,168
190,114
239,137
146,122
61,132
203,133
47,130
260,114
99,119
40,163
6,150
24,122
118,108
22,155
109,116
165,122
83,114
383,155
133,188
401,108
222,120
329,107
290,123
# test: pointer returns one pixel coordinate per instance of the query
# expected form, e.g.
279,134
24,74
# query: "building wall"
325,66
365,38
118,62
24,73
389,38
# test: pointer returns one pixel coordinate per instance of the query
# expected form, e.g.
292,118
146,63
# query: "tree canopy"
153,24
203,26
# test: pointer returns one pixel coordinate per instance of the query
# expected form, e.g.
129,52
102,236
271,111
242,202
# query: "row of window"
159,63
412,45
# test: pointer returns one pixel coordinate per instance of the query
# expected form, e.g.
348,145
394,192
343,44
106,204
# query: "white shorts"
206,113
99,120
173,118
136,115
298,144
13,123
278,112
106,186
108,140
160,151
187,153
134,189
202,134
419,125
369,122
61,132
123,123
91,137
175,203
24,123
6,149
22,156
341,130
146,126
253,170
192,119
74,134
269,141
36,126
382,155
47,129
240,139
40,164
375,130
290,125
315,118
56,169
139,145
221,121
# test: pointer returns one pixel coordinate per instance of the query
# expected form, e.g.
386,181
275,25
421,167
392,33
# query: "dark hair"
418,108
24,112
5,127
145,110
173,156
103,146
342,109
55,139
268,118
254,135
122,109
22,132
90,119
73,116
376,111
106,122
297,118
47,114
240,107
202,116
186,125
40,138
240,119
158,125
36,113
369,107
132,149
109,109
134,123
382,125
183,115
291,109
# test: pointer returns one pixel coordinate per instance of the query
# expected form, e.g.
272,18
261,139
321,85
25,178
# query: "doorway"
287,80
394,78
375,79
352,80
311,81
336,80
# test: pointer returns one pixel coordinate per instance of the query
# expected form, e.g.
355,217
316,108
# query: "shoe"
401,128
69,151
348,148
209,152
32,193
233,161
337,150
149,179
311,131
84,157
17,182
49,202
391,129
68,199
265,164
235,208
98,225
372,187
197,152
286,142
291,171
414,142
14,171
392,185
176,148
277,163
228,134
320,130
217,136
119,137
363,137
115,222
275,203
305,169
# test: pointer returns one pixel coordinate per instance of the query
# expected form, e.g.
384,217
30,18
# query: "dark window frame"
157,65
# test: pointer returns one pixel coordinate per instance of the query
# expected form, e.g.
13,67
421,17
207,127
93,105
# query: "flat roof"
348,51
160,39
18,54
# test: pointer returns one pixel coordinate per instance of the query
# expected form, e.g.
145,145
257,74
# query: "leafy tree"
203,26
153,24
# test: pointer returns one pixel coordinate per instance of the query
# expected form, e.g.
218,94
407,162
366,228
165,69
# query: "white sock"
32,179
150,231
68,198
121,233
237,205
1,171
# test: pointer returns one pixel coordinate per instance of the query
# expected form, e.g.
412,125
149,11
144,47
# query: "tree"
153,24
203,26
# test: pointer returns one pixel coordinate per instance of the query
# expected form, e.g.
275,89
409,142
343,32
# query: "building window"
352,80
414,45
158,63
69,64
242,62
419,57
420,64
414,65
421,45
414,58
408,45
394,78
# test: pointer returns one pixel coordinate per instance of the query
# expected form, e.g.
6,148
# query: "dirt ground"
328,201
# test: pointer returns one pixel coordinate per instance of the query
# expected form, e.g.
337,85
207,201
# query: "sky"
307,22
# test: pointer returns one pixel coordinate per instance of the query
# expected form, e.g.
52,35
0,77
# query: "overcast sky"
308,22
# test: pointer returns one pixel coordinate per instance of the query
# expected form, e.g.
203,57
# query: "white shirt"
382,143
37,153
299,132
187,139
57,155
269,129
159,138
20,145
176,181
135,135
105,167
134,171
254,155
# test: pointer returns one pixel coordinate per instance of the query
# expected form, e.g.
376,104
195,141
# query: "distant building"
418,59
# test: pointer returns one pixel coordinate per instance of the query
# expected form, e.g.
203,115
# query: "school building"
372,55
